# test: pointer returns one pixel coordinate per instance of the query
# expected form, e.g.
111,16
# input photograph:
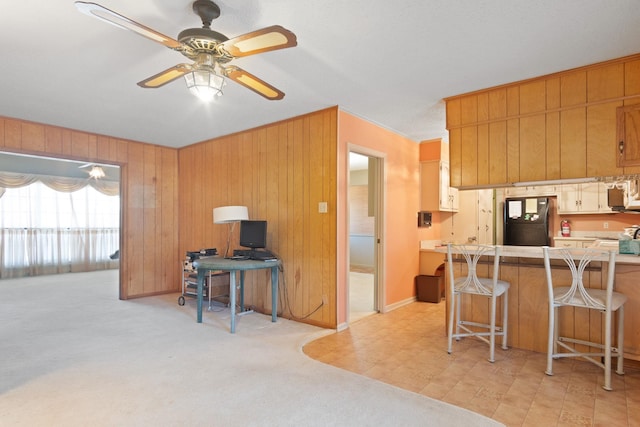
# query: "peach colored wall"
430,150
435,231
401,187
617,222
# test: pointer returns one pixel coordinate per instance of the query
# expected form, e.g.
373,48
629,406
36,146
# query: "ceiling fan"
209,50
96,171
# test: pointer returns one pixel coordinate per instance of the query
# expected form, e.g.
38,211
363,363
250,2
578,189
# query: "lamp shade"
225,214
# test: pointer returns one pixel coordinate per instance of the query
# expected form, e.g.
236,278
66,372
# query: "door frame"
379,179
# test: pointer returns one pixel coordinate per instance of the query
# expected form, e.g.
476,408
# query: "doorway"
364,236
58,216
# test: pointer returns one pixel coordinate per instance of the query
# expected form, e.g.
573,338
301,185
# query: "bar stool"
576,295
470,283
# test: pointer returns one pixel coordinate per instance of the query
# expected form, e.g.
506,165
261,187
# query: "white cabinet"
572,242
569,199
583,198
485,216
435,192
473,223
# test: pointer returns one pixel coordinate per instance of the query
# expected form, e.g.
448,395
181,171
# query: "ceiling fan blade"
264,40
250,81
97,11
166,76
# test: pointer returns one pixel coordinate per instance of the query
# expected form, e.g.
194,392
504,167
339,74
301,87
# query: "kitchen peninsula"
523,267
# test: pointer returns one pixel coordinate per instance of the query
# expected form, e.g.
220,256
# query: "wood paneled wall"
281,172
149,197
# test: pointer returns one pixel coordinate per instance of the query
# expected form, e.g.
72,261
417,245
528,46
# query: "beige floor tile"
408,348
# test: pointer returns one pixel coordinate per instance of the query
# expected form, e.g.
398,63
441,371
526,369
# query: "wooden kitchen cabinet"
573,143
532,148
627,284
628,132
586,198
435,192
558,126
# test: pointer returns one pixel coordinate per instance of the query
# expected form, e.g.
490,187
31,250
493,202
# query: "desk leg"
232,297
274,293
241,291
201,274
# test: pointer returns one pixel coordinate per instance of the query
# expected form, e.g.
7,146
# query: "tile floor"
361,298
407,348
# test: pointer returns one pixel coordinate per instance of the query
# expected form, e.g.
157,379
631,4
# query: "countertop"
536,252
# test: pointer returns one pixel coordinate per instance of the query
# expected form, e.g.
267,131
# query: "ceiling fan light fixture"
205,84
209,50
96,172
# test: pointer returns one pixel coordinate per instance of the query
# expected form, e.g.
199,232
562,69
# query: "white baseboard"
399,304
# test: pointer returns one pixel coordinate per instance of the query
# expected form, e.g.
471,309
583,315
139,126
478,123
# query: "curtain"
45,231
58,183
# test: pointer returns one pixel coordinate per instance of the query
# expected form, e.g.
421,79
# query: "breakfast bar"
523,267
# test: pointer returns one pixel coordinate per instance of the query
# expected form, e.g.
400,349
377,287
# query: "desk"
206,264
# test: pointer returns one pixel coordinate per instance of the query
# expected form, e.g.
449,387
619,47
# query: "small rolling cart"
190,277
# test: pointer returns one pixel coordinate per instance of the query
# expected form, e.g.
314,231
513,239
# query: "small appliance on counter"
629,241
630,233
526,221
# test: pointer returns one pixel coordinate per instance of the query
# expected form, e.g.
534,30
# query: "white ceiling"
388,62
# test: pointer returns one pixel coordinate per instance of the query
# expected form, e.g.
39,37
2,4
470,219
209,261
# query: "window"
45,231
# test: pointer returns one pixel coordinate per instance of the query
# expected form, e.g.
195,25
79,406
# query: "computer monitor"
253,234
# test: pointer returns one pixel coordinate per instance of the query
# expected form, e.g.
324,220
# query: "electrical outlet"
325,299
605,225
322,207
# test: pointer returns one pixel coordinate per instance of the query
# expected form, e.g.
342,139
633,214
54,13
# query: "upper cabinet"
559,126
629,135
583,198
435,192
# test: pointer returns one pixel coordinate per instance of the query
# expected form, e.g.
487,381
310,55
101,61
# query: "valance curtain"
54,225
58,183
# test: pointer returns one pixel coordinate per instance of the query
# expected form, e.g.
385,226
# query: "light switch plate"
322,207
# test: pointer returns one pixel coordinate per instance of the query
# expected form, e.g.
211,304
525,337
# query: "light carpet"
72,354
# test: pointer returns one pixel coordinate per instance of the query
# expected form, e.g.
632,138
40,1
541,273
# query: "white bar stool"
576,295
470,283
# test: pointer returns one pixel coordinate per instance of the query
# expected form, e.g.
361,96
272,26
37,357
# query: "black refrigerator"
526,221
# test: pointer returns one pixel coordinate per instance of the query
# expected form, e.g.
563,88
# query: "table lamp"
229,215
